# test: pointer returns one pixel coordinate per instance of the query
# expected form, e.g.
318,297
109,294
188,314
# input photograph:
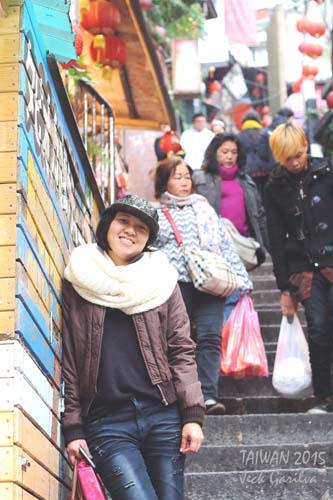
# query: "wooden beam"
140,124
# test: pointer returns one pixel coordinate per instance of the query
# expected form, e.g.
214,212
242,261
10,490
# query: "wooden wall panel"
9,77
8,198
9,48
8,136
10,491
8,166
7,294
8,106
7,325
7,261
11,23
7,230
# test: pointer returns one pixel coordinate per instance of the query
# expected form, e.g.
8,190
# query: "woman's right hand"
73,450
288,304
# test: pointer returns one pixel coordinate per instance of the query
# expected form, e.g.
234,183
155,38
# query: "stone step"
266,269
264,283
291,484
269,429
254,387
272,316
265,297
247,405
250,458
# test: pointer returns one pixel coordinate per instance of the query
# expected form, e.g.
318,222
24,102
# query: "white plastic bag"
292,371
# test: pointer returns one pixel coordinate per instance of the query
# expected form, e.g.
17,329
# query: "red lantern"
302,25
310,71
311,49
297,86
145,4
329,99
78,44
214,87
113,54
316,29
102,19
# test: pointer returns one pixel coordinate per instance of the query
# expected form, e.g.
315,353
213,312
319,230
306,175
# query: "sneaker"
215,409
322,406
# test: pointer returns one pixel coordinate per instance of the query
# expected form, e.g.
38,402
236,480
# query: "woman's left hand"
192,438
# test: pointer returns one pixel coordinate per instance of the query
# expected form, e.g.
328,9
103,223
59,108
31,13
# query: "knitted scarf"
134,288
207,220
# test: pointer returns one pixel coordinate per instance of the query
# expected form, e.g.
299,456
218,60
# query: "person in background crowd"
283,115
201,228
195,141
132,395
249,138
217,127
233,194
299,204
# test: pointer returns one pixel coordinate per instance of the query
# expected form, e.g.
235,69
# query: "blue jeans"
319,316
136,451
206,316
230,304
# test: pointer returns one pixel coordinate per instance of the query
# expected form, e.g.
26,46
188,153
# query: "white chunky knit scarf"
135,288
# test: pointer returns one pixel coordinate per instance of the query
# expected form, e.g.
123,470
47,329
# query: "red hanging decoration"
78,45
310,71
302,25
112,55
297,86
102,19
313,50
316,29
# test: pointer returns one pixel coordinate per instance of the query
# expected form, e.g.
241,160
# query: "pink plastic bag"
243,350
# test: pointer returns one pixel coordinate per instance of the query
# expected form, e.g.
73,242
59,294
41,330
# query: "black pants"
319,317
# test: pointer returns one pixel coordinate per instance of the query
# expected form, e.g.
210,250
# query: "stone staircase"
266,447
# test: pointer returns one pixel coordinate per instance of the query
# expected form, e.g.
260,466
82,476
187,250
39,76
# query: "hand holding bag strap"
167,214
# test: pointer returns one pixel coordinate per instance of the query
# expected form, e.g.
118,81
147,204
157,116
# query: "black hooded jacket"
300,219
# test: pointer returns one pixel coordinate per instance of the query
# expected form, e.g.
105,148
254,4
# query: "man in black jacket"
299,207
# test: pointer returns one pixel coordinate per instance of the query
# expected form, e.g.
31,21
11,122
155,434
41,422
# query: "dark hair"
103,227
164,171
210,164
285,112
198,115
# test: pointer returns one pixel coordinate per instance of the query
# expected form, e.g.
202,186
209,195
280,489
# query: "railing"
96,123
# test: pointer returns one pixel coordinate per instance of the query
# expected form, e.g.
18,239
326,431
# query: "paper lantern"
102,19
302,25
112,55
297,86
316,29
313,50
310,71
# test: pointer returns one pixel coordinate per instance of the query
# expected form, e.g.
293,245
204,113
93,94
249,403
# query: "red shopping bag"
243,350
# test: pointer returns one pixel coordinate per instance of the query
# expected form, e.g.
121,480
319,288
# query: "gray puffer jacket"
210,186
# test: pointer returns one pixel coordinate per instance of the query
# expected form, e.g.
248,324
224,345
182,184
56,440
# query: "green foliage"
180,18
